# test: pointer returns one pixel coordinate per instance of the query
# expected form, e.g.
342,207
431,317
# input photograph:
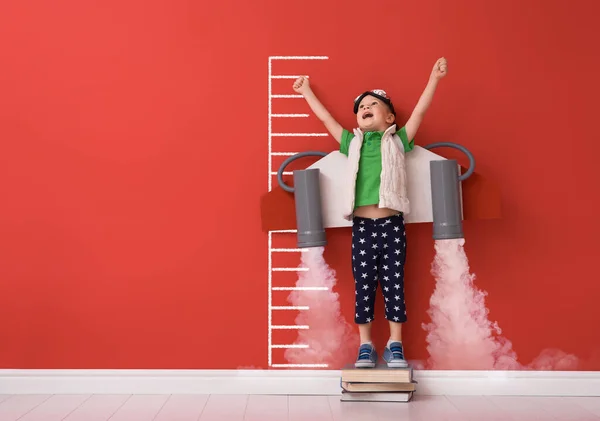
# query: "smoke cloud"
460,335
330,339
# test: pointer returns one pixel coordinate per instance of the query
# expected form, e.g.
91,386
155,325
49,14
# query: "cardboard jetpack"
480,197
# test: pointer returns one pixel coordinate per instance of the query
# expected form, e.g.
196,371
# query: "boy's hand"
440,69
301,85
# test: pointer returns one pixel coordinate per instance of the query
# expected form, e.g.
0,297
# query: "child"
377,180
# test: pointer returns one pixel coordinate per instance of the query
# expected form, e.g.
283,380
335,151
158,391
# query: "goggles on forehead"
377,93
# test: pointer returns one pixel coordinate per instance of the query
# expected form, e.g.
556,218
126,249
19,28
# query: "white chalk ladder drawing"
273,176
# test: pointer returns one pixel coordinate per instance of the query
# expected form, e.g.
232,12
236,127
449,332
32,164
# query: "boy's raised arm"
302,86
440,69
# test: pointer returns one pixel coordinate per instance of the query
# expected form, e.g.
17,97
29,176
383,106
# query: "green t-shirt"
368,178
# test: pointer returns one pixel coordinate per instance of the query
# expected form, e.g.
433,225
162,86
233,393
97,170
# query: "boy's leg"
364,264
364,330
392,281
395,331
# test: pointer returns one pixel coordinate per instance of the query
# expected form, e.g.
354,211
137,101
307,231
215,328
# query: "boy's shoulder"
407,144
345,140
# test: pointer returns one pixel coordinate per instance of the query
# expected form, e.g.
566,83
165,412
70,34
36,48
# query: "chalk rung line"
283,153
283,327
299,365
286,96
290,269
296,250
290,308
298,57
283,231
283,173
299,134
302,346
288,76
300,288
289,115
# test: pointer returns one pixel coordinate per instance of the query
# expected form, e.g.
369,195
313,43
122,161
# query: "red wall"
134,152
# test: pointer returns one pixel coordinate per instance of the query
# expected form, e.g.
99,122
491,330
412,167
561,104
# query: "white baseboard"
290,382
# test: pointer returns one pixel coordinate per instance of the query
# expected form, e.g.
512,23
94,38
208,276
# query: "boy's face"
373,115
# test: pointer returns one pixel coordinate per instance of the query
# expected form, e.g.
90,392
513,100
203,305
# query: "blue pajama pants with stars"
378,257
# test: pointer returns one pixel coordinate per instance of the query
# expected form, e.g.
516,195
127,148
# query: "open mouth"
367,115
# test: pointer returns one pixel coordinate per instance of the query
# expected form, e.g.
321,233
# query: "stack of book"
378,384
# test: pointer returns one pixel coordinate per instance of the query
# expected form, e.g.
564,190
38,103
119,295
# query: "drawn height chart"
286,134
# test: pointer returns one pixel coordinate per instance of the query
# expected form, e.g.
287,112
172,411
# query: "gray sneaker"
367,357
394,355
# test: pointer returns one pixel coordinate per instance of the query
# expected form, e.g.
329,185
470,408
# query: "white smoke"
460,335
330,339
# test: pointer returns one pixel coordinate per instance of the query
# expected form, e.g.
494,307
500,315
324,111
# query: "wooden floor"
292,408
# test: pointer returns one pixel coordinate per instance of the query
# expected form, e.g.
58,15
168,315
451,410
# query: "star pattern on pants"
381,242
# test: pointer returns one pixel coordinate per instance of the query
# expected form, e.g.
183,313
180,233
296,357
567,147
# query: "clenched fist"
301,84
440,69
